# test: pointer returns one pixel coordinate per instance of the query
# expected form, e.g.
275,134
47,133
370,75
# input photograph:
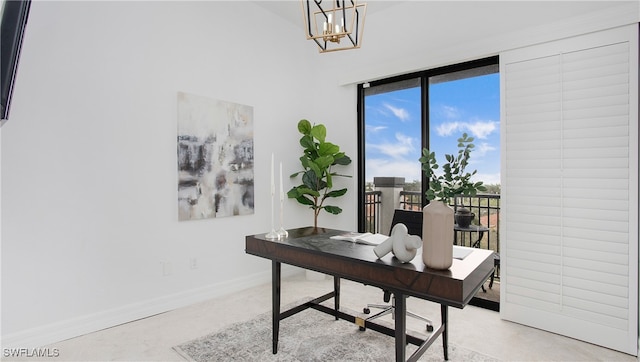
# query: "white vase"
437,235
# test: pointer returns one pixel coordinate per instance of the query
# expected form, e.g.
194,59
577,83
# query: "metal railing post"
390,188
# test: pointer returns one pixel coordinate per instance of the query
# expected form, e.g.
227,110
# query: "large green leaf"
336,193
307,142
308,191
304,200
304,160
323,162
332,209
328,148
341,159
319,132
311,180
304,126
302,190
293,193
314,167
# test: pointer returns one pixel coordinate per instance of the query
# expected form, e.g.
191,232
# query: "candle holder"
282,233
272,235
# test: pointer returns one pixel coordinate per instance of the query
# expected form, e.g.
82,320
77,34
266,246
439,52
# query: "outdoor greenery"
416,185
454,180
317,160
493,189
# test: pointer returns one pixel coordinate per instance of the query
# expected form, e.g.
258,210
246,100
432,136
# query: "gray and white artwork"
215,158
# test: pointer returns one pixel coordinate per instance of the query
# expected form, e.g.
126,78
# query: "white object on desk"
403,245
361,238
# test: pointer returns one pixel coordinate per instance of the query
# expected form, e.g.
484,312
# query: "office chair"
413,221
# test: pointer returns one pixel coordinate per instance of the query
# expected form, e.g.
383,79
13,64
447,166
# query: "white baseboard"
62,330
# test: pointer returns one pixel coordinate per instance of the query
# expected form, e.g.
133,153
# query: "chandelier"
334,27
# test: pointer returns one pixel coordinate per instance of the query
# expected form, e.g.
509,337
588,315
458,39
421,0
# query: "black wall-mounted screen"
14,20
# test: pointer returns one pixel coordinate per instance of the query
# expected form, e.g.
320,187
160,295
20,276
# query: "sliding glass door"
400,116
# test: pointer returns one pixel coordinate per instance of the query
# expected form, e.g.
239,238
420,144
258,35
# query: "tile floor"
152,339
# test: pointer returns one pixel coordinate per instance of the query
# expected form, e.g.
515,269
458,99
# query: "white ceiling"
405,36
291,10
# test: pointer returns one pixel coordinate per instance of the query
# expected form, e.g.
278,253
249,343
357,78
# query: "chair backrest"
411,219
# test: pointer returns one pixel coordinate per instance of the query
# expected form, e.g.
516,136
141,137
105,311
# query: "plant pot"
464,217
437,235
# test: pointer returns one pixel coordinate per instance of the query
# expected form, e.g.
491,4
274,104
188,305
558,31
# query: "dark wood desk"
313,249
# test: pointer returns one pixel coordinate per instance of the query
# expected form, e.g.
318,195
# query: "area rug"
308,336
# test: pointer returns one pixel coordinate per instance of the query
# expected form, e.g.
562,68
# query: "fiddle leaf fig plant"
317,160
454,180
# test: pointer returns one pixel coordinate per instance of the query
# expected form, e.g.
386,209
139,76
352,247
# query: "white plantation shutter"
569,244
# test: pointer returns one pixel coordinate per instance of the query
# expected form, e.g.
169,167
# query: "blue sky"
471,105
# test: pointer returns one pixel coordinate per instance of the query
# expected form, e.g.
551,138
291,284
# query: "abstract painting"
215,158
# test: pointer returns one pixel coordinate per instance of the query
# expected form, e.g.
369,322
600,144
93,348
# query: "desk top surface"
313,249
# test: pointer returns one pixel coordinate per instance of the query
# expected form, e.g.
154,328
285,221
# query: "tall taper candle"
273,185
272,235
281,187
282,233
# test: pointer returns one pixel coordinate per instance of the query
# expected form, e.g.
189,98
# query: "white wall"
88,158
89,188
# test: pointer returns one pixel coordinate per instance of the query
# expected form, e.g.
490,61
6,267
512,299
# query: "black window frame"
424,76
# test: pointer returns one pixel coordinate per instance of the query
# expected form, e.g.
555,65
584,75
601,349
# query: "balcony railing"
410,200
486,208
372,211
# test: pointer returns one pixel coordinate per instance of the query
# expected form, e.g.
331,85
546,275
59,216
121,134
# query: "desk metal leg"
401,325
336,295
275,302
444,314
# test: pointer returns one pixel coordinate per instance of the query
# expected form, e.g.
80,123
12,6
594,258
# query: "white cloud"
482,149
448,128
403,146
478,129
449,112
375,129
399,158
481,129
401,113
380,167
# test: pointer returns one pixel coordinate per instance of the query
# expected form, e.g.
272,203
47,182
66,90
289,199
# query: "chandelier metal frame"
329,33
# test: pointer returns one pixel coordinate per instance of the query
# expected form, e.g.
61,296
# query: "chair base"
389,309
